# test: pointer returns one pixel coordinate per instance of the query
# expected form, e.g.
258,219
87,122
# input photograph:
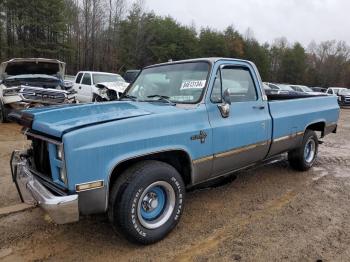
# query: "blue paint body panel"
96,137
295,115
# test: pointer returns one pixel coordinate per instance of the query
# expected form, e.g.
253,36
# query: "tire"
303,158
147,201
97,99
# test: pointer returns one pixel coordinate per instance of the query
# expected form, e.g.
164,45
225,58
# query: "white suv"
90,85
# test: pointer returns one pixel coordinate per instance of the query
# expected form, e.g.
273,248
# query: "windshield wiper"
133,98
162,98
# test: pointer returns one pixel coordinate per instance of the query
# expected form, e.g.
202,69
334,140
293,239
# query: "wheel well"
179,159
319,126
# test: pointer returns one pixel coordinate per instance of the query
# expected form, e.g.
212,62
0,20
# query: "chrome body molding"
216,165
292,136
229,153
52,141
203,159
285,143
241,149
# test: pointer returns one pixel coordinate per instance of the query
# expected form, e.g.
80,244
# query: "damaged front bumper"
62,209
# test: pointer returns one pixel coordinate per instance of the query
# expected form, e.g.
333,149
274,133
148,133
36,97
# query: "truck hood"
22,66
116,86
56,121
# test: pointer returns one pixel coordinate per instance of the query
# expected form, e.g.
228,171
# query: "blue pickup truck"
179,125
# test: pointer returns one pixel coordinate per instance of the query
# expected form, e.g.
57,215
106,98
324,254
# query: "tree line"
107,35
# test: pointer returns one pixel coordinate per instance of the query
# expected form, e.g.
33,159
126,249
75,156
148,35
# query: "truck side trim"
292,136
203,159
230,152
241,149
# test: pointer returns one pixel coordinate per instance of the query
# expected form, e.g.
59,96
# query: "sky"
297,20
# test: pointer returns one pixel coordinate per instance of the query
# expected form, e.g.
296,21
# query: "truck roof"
205,59
98,72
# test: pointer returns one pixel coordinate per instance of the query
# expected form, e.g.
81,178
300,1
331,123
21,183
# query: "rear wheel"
304,157
146,202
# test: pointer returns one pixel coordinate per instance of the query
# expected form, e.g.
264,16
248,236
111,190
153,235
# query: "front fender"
141,153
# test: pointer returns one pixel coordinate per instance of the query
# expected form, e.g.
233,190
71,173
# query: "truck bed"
292,116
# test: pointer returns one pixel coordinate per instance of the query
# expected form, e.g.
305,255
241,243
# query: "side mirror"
225,106
226,97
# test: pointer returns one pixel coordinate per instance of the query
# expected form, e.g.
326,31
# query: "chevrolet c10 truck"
179,125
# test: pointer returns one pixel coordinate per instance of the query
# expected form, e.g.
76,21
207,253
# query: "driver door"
241,138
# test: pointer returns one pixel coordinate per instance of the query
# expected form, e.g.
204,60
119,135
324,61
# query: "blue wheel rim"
160,196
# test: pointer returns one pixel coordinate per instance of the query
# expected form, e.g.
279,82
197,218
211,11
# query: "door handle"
259,107
79,87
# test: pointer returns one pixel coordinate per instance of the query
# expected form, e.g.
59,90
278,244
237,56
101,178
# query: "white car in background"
334,91
94,86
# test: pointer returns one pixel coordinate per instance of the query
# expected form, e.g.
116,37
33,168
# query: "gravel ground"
270,213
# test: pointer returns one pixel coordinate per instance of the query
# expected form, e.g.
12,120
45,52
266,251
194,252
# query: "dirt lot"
270,213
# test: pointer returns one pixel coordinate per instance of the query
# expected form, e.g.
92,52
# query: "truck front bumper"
62,209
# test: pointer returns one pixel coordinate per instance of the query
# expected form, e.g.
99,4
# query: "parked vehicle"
32,82
109,91
69,81
319,89
334,91
268,90
305,89
130,75
179,125
344,97
281,88
93,86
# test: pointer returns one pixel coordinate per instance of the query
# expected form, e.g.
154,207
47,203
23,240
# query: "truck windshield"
178,83
104,78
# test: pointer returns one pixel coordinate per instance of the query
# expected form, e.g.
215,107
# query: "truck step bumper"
62,209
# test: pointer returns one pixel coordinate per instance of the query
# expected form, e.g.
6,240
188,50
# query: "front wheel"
303,158
97,99
146,202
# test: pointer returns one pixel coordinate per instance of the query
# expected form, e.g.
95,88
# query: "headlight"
63,175
339,98
59,152
103,91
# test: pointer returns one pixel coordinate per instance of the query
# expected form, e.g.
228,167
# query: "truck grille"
41,95
40,156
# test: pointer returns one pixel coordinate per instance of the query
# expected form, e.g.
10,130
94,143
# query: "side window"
216,96
239,82
86,79
80,75
329,91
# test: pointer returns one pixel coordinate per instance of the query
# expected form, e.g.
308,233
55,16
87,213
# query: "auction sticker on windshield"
193,84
